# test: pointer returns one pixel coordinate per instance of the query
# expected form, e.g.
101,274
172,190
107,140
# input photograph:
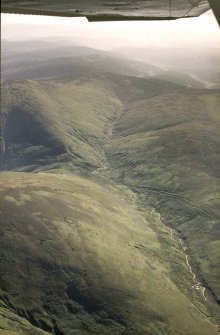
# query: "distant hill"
43,59
199,63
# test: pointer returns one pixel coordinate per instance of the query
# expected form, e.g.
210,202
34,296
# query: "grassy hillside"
49,123
60,59
168,153
109,202
84,259
12,324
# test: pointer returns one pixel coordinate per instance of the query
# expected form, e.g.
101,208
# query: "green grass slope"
94,247
168,153
47,123
81,258
12,324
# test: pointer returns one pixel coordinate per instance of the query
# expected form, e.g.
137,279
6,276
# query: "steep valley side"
167,153
101,180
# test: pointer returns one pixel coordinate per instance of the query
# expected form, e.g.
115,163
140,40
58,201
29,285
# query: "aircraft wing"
110,10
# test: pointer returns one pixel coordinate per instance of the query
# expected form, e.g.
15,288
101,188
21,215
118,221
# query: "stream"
197,285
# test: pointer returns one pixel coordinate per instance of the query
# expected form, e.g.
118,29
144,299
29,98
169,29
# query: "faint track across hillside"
201,208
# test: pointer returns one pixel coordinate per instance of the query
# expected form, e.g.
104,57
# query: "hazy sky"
200,31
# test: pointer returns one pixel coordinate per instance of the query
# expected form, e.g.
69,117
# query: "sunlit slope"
12,324
49,123
81,258
166,149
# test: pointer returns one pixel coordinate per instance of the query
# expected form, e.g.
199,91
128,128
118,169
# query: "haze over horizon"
198,32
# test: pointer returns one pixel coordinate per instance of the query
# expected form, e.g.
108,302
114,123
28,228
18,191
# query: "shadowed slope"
47,123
